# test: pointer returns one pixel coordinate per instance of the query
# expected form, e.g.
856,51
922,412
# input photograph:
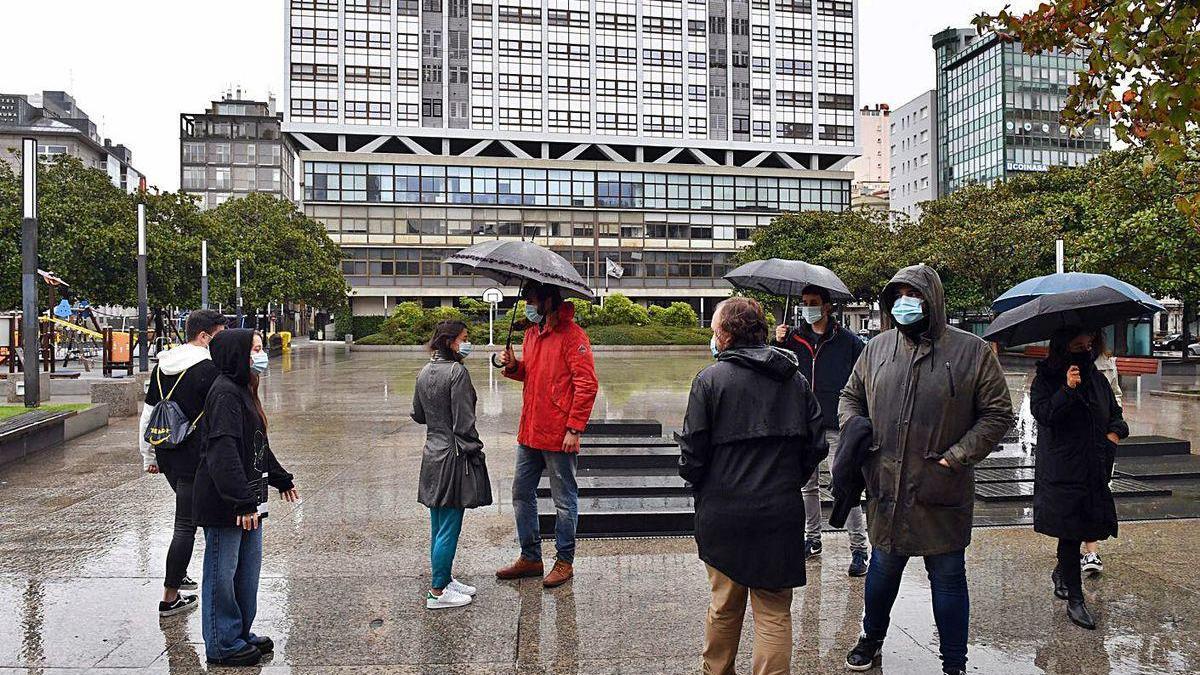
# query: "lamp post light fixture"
30,338
204,274
143,350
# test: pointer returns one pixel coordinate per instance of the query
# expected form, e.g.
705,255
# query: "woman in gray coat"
453,474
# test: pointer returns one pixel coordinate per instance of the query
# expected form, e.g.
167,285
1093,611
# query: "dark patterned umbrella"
787,278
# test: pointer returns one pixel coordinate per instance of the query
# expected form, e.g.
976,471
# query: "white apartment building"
913,154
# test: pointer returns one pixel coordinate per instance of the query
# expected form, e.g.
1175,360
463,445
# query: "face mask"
1081,358
533,314
907,310
811,315
258,362
464,349
712,346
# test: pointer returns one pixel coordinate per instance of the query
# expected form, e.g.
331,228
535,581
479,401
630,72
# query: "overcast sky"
134,65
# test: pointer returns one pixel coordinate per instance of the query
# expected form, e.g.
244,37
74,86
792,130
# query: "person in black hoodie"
1079,424
751,438
183,375
236,467
827,353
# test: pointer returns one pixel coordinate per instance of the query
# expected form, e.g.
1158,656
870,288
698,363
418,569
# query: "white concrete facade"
913,154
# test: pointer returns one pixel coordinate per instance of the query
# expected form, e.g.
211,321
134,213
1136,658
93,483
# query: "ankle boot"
1079,614
1060,586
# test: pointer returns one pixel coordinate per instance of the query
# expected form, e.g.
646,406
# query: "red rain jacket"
560,381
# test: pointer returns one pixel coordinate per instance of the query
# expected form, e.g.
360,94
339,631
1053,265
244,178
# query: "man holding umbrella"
827,353
560,387
938,404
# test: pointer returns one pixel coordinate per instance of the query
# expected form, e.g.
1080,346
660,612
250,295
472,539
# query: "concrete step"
623,427
627,442
1152,446
1166,467
1017,492
629,457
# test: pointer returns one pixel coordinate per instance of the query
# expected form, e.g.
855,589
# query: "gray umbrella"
787,278
512,263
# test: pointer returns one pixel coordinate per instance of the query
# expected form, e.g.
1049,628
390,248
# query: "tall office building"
998,108
235,148
656,133
913,154
62,128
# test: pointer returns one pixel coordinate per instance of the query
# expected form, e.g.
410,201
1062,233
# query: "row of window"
483,11
263,154
402,183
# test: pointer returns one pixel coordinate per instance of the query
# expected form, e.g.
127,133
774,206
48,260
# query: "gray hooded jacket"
943,395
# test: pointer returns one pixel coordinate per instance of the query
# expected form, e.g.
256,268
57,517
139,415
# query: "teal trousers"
445,524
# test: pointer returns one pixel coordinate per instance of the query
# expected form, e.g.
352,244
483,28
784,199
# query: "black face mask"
1080,358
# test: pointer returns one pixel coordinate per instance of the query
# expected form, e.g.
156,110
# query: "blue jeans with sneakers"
564,490
951,602
445,524
229,589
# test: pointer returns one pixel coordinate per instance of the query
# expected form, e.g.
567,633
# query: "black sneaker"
264,644
866,654
188,584
182,604
250,656
858,564
812,548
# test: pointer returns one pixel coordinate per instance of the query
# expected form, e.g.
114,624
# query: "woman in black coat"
230,498
751,437
1079,424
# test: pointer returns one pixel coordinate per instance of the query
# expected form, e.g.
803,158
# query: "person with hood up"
827,353
1079,425
752,435
183,375
236,467
938,404
559,390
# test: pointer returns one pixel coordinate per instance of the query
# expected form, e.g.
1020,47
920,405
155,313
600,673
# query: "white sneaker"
1091,564
448,598
459,587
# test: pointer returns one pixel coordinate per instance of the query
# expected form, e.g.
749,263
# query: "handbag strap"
158,376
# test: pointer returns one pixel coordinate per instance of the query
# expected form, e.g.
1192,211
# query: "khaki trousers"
723,629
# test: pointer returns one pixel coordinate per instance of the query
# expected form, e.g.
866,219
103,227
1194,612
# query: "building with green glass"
998,110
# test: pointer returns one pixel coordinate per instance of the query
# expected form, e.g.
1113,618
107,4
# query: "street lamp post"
204,274
29,260
238,282
143,349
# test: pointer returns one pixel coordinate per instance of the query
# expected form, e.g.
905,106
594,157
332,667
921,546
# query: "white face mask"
811,315
258,362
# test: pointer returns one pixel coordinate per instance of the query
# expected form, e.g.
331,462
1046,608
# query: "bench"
29,432
1147,370
1037,351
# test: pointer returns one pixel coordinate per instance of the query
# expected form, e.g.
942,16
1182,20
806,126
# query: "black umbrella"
1040,318
787,278
514,262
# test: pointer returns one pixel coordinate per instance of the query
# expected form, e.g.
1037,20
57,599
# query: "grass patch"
7,411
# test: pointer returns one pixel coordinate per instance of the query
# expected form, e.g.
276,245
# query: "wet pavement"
83,535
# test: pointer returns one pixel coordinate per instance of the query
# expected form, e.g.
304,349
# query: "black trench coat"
1074,459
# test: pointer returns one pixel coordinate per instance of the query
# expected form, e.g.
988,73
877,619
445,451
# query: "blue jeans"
951,603
561,465
445,524
229,589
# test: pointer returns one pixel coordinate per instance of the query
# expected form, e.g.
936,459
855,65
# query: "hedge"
648,335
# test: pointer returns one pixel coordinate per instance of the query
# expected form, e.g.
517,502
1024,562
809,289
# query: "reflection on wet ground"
83,534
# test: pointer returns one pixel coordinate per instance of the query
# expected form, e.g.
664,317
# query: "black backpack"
169,427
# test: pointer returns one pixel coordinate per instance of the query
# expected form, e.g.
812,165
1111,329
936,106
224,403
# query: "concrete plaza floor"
83,535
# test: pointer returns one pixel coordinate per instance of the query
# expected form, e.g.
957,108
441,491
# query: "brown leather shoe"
559,575
521,569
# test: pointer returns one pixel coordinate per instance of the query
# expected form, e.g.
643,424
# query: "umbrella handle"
786,304
512,320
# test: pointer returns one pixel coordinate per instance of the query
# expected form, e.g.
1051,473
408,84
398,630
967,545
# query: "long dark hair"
253,385
1059,358
444,334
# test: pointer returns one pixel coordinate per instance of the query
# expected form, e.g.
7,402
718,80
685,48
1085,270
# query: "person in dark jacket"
183,375
846,471
1079,424
444,401
230,496
751,437
827,353
938,404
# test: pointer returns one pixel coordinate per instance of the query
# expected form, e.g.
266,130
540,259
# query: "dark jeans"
561,466
229,589
1068,567
183,540
951,603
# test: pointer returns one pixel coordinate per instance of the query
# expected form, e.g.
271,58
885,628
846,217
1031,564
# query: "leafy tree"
1143,71
678,314
286,256
618,310
585,311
